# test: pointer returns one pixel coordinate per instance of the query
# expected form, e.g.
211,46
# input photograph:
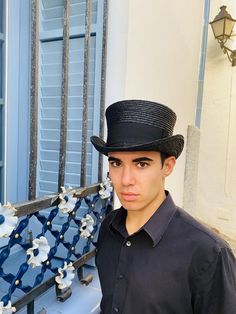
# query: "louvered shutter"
1,99
50,78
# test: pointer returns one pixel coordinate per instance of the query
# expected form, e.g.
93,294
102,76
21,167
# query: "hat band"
123,134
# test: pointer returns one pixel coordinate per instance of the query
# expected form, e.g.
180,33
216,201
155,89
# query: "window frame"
2,98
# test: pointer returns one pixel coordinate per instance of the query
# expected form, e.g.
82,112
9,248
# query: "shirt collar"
155,227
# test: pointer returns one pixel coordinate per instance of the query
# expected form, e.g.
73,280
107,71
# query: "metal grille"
67,39
41,215
74,250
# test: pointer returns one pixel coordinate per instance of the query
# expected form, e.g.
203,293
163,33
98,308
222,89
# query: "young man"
152,257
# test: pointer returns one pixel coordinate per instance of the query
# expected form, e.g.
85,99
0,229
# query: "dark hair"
163,157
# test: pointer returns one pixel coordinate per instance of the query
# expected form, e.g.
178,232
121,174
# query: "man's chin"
129,205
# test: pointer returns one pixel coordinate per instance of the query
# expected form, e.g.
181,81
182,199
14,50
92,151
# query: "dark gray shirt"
172,265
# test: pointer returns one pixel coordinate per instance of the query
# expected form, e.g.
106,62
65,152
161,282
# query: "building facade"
164,53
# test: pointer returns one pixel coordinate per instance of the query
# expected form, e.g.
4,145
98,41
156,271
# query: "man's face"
138,178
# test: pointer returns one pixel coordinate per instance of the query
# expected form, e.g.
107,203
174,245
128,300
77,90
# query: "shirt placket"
122,277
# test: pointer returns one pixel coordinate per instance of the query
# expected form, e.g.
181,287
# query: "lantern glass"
229,25
222,29
218,28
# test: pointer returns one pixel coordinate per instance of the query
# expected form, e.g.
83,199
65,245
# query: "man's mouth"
129,196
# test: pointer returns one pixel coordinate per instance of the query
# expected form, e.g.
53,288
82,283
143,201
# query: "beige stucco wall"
153,53
216,203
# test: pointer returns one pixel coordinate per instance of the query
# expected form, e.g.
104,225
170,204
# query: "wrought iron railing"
54,234
50,248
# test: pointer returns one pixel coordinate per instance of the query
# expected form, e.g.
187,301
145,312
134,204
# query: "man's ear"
169,164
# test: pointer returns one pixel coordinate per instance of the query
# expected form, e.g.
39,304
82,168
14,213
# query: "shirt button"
116,310
128,243
121,276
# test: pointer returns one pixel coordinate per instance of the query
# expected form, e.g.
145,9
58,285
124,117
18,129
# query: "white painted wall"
153,53
216,202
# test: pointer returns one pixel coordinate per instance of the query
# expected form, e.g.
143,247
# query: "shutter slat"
50,97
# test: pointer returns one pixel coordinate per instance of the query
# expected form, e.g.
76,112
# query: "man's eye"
115,164
142,164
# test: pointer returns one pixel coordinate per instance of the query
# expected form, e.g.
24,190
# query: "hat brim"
172,146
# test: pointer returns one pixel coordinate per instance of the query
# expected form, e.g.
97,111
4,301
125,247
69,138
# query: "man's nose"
127,176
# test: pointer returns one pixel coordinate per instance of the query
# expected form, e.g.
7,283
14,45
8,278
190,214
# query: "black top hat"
140,125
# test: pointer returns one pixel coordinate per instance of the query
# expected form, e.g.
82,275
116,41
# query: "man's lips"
129,196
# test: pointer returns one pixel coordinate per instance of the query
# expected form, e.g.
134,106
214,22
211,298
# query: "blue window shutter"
1,99
50,78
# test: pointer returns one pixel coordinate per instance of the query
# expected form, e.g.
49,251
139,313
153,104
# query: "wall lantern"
222,27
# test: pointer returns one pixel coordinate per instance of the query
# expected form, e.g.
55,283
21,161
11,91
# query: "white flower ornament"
38,252
106,188
67,203
66,275
8,309
86,226
8,220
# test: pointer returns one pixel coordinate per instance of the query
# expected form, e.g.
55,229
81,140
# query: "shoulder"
204,245
197,230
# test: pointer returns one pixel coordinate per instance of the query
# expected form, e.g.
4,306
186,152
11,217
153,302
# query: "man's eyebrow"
140,159
113,159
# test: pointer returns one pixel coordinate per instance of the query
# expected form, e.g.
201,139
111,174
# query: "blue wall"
18,90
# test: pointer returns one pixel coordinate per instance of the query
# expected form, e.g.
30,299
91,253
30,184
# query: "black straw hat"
140,125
